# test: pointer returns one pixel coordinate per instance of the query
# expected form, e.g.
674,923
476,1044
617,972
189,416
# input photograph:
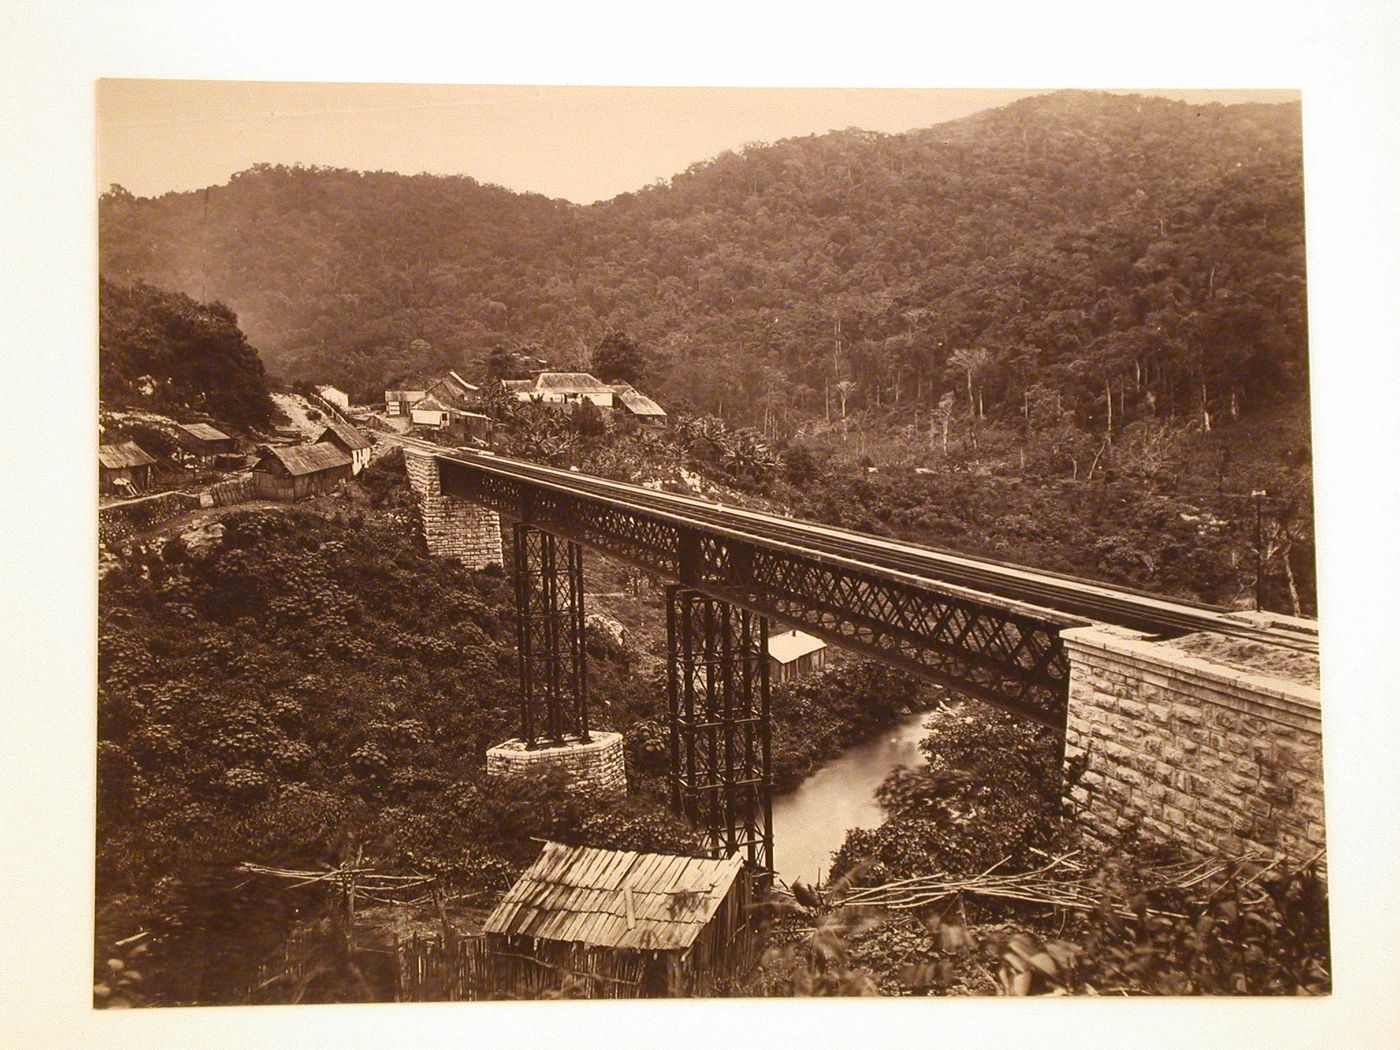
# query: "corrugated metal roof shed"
203,431
123,455
614,898
518,384
570,381
792,645
349,437
307,459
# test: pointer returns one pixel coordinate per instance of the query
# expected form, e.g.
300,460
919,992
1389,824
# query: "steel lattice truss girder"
718,699
981,649
548,577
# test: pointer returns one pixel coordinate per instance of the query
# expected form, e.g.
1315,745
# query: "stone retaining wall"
1189,750
119,520
597,765
452,527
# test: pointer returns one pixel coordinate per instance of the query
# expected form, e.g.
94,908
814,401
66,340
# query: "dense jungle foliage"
1109,257
307,686
989,799
163,350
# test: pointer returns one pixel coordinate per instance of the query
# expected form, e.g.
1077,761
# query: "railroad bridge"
1202,750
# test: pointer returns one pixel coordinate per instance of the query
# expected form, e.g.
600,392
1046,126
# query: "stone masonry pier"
1202,742
597,765
452,527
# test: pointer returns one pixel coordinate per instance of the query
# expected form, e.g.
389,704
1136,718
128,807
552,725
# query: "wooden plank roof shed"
345,438
204,432
205,440
295,472
635,403
632,924
795,654
124,455
123,467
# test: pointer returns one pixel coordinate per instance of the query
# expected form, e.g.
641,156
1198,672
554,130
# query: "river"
810,822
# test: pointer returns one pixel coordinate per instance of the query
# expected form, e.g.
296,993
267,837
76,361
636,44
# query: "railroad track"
1072,596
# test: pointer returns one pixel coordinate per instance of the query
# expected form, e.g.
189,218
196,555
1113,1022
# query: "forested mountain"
1074,252
164,350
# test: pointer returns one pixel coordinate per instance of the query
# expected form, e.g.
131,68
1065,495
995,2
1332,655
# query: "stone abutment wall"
1189,750
452,527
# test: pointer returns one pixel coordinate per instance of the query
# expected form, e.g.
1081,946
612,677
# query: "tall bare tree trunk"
1292,583
1108,431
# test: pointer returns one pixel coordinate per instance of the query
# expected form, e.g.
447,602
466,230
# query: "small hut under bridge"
630,924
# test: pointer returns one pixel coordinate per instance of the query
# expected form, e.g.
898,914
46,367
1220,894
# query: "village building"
647,924
294,472
793,655
334,396
632,402
452,423
205,442
401,402
430,412
123,468
350,441
453,391
562,388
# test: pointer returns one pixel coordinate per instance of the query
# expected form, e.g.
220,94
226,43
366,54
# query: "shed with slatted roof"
298,471
646,924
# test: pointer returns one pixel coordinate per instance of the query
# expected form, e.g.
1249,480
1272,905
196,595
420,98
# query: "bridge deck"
983,627
1073,598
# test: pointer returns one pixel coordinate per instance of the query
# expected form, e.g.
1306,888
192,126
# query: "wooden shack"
631,924
632,402
430,412
399,402
793,655
205,442
123,468
352,442
295,472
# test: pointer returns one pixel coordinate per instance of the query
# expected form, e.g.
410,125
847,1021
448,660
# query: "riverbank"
811,821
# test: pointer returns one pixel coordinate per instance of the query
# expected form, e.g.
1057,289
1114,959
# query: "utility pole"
1258,495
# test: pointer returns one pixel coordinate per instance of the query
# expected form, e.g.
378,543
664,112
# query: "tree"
972,362
942,419
185,353
618,358
844,390
504,363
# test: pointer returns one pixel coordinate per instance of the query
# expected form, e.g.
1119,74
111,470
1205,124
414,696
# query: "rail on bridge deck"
983,628
998,649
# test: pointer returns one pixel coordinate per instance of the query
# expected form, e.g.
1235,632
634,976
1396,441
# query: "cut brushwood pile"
1063,882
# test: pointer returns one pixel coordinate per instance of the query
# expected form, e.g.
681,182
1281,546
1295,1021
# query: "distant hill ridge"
1086,242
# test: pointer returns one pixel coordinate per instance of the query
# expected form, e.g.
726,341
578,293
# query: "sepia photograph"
576,542
625,525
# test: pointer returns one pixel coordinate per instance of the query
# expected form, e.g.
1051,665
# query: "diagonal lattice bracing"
548,577
980,648
718,699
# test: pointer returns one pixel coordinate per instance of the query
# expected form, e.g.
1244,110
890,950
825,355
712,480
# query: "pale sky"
580,143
